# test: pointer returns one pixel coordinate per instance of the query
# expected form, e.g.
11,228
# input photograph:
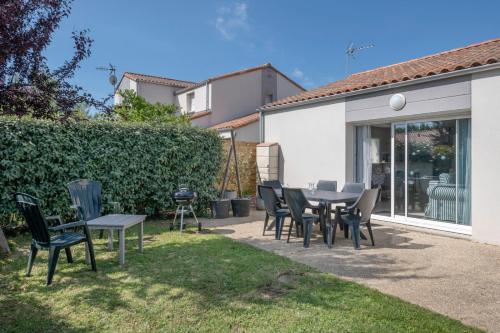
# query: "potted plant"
241,207
220,208
230,194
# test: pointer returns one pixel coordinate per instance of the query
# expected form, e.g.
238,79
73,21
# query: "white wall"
312,141
236,96
485,89
286,88
199,102
125,84
156,93
248,133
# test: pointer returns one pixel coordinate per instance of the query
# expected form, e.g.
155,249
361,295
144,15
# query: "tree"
28,87
135,108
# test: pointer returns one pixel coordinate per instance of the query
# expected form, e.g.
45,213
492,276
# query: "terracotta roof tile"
479,54
236,73
238,122
159,80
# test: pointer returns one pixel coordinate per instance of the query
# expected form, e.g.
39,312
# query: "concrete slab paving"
450,275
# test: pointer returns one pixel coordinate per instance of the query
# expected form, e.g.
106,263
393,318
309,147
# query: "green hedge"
139,165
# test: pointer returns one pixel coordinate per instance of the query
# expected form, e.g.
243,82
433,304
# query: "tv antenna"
351,51
112,74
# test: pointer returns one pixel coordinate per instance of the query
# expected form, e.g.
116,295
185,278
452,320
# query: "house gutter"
382,88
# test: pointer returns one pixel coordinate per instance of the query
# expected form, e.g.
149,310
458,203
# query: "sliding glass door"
432,170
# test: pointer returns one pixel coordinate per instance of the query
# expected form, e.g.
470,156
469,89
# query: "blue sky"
193,40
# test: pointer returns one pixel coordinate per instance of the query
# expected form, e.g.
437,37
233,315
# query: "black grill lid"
184,194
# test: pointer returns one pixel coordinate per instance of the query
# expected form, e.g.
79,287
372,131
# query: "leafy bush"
139,165
135,108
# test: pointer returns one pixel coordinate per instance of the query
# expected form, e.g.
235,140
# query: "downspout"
207,102
261,126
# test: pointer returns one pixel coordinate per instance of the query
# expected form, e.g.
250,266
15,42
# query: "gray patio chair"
327,185
349,188
276,185
360,213
86,196
273,209
297,203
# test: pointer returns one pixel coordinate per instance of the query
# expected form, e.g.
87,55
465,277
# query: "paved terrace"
449,275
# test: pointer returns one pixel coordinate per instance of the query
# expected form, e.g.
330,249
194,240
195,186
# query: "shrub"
139,165
135,108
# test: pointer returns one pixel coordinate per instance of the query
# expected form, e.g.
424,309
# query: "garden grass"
195,283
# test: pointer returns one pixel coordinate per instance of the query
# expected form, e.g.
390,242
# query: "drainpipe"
261,126
206,96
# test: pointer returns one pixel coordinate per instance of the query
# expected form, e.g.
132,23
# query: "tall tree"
28,87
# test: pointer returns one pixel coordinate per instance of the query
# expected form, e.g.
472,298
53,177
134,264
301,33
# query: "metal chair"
42,240
297,203
272,204
360,213
327,185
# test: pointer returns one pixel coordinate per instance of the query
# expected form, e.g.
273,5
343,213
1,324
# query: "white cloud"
302,78
232,19
298,74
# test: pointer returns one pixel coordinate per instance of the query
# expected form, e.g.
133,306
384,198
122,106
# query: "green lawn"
196,283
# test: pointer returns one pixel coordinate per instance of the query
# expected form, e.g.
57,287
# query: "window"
189,102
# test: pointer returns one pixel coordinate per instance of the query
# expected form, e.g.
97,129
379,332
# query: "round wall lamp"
397,102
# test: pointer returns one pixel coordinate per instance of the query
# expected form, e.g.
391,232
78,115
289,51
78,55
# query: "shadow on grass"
207,278
41,318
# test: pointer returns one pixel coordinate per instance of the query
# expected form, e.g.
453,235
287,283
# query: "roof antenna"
351,50
112,74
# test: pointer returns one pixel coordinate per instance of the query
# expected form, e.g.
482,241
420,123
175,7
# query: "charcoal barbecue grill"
184,199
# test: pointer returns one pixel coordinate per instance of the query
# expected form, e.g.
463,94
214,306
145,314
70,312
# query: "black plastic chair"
86,196
349,188
298,203
327,185
42,240
360,213
276,185
272,204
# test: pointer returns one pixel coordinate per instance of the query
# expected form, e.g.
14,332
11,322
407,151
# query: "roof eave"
436,77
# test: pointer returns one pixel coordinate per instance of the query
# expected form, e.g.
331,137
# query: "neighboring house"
425,131
153,88
224,102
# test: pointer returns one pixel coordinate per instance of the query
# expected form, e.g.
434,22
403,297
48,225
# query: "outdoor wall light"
397,102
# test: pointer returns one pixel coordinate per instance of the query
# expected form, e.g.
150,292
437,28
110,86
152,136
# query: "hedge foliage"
139,165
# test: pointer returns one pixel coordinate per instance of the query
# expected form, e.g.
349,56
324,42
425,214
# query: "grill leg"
175,217
182,218
195,218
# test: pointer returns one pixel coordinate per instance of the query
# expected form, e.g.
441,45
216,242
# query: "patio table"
119,222
329,198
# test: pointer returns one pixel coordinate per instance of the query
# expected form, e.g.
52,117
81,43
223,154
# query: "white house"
153,88
224,102
423,130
